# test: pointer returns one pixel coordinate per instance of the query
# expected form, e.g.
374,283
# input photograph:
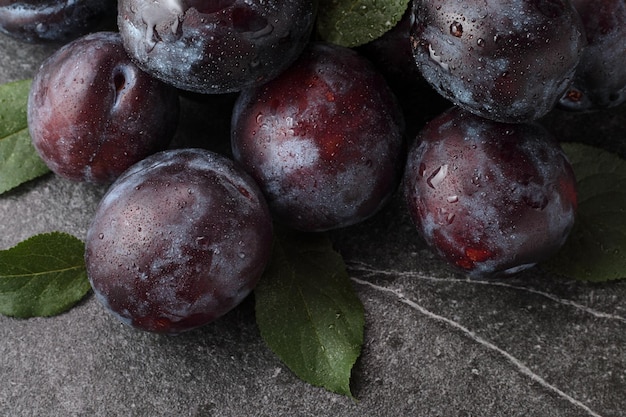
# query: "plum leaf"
308,312
42,276
356,22
19,161
596,248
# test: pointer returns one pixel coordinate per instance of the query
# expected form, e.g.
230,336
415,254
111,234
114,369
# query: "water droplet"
456,29
480,42
242,255
101,236
453,199
437,176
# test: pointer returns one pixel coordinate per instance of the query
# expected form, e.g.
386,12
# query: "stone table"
436,343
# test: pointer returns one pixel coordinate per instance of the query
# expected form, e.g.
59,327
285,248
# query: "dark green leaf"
596,248
19,162
42,276
308,313
356,22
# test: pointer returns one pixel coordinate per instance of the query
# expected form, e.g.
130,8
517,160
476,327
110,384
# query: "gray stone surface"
436,343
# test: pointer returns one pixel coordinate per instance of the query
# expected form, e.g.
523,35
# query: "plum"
216,46
92,113
506,60
490,198
58,21
180,239
324,140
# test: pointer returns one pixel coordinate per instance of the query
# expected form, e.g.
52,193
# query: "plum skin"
179,240
52,21
92,113
600,80
324,140
506,60
215,47
490,198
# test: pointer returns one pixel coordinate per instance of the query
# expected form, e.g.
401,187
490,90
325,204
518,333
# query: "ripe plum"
179,239
92,113
490,198
506,60
600,80
217,46
52,20
324,140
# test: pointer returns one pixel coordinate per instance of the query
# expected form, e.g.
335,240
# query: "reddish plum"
92,113
324,140
490,198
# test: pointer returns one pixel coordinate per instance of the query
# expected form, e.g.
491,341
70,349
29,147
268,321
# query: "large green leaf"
42,276
596,248
19,161
308,313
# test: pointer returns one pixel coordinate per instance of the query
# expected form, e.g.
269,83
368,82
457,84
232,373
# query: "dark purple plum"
600,80
215,46
179,240
490,198
58,21
92,113
324,140
506,60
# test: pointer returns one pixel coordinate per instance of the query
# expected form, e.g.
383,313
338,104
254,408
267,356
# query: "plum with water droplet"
58,21
506,60
92,113
324,140
600,80
180,239
215,46
490,198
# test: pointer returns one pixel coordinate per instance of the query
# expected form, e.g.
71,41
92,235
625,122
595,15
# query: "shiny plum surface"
216,46
57,21
179,240
506,60
490,198
92,113
324,140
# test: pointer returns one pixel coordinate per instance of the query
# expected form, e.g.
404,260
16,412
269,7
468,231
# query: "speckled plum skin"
59,21
324,140
490,198
179,240
506,60
600,80
215,46
92,113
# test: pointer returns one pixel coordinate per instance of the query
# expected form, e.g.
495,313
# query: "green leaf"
308,312
19,161
596,248
42,276
356,22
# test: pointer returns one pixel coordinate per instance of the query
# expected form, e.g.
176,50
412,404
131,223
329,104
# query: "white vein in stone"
512,359
362,267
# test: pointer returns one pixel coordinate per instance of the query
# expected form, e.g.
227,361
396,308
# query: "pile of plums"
318,134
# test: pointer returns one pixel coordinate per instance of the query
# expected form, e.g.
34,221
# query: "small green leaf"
596,248
356,22
308,312
19,161
42,276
